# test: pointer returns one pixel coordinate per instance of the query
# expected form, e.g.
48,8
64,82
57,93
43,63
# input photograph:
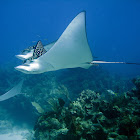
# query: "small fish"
112,92
38,107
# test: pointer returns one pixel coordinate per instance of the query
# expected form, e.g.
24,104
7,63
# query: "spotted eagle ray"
34,52
71,50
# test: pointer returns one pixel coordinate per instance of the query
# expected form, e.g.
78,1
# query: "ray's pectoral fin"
71,50
13,92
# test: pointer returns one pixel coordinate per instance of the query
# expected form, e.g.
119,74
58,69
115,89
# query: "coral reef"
62,113
91,117
136,90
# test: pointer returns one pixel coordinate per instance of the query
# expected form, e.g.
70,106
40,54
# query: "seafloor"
72,104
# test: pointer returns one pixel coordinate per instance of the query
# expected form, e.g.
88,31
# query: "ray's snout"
22,68
29,68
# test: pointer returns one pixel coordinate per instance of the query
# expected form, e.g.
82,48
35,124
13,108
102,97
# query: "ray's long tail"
102,62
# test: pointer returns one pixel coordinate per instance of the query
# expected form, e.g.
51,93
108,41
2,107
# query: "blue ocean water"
113,32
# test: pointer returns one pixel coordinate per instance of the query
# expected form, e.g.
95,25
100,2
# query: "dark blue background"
113,28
